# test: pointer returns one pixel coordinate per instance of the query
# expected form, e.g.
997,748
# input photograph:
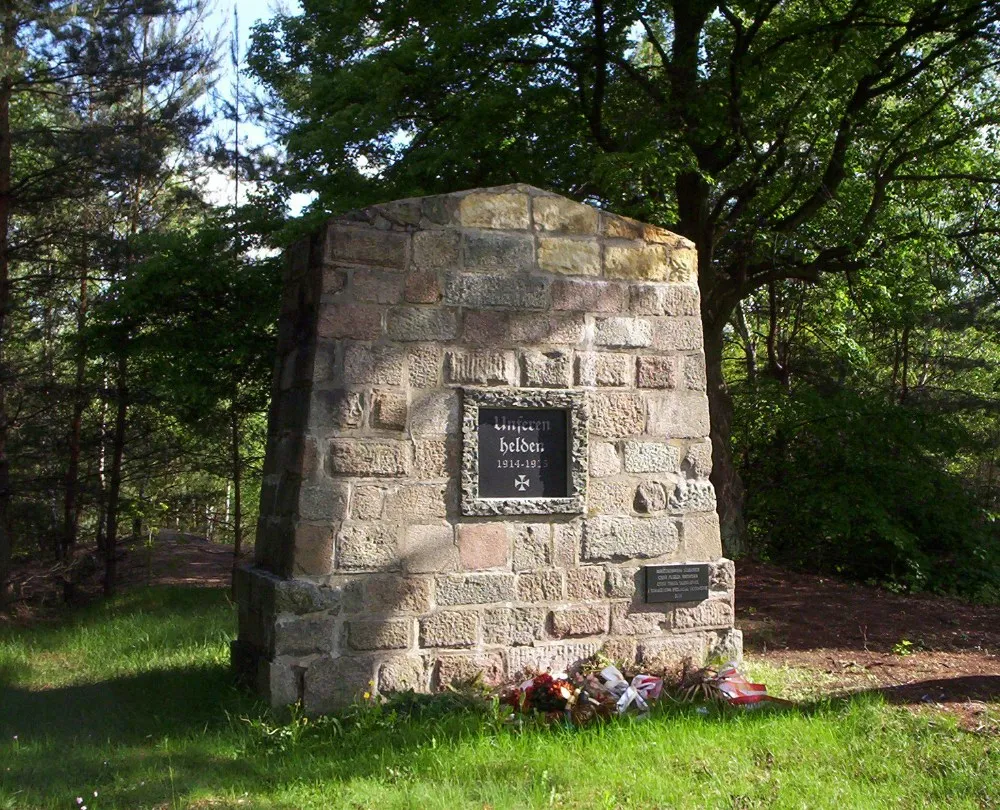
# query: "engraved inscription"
523,453
676,583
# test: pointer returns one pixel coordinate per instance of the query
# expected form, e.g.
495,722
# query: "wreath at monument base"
583,698
600,695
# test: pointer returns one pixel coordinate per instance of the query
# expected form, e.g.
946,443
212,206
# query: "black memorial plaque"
676,583
523,453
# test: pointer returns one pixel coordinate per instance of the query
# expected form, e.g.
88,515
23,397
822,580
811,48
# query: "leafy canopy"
786,139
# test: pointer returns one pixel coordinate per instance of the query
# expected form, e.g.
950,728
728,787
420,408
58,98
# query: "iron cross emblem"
521,482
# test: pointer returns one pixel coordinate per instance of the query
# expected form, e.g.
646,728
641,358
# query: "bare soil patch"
914,650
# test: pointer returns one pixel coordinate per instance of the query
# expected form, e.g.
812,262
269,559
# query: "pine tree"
116,89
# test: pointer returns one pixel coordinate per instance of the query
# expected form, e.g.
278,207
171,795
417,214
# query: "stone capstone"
500,211
565,216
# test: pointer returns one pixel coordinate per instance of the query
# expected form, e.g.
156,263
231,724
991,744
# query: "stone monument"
487,453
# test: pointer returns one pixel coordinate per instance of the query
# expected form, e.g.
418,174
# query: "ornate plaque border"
573,401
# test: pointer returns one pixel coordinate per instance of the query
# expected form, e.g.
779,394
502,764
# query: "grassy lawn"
132,699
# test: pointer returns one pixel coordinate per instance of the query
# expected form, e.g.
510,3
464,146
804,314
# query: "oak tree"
788,140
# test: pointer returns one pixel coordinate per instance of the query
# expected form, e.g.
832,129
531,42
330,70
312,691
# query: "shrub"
844,483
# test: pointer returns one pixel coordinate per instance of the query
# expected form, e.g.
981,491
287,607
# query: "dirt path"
40,585
190,560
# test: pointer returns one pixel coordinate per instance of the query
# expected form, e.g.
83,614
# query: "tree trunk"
749,347
905,388
121,381
237,491
717,303
6,91
777,366
137,520
71,511
102,468
729,491
237,250
115,478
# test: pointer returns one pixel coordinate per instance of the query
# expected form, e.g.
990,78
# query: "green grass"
133,699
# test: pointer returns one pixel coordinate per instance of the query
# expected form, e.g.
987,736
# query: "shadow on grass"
144,708
171,736
174,701
127,709
173,616
137,634
9,673
985,688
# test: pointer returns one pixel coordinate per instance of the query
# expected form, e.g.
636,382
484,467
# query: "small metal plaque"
523,453
677,583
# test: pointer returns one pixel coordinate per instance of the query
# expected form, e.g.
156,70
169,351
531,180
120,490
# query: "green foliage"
268,736
867,422
841,482
845,144
784,139
202,316
203,319
106,115
295,731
